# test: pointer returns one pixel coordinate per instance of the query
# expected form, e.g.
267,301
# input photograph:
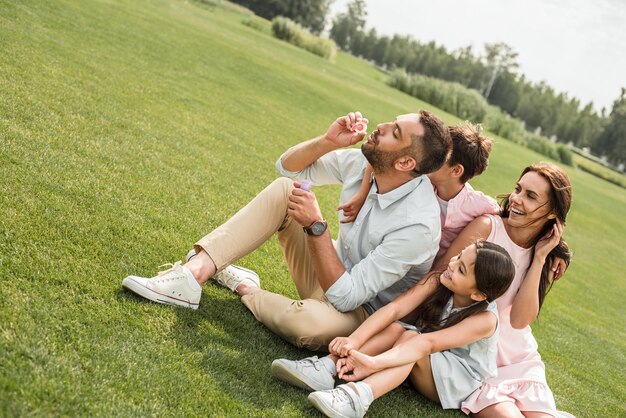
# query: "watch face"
318,228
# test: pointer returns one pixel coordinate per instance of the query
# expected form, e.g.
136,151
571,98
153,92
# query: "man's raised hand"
342,132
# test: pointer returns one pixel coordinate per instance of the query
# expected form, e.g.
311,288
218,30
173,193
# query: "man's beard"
381,161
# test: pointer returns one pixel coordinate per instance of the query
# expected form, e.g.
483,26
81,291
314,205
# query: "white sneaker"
308,373
170,287
341,402
232,276
190,255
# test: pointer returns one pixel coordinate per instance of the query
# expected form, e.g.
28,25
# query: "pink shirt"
462,209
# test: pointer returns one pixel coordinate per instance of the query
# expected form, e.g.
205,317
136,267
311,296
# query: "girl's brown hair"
494,271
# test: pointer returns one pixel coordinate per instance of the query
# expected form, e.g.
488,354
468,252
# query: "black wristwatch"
317,228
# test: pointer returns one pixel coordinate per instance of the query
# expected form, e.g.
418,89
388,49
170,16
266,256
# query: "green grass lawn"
128,129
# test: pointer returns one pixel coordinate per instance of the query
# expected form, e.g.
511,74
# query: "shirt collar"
384,200
461,195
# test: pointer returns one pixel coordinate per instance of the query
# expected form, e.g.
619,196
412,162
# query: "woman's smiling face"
529,202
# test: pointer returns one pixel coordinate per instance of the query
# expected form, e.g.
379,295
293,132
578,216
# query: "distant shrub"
451,97
541,145
469,104
259,24
504,125
565,154
227,5
599,171
290,31
512,129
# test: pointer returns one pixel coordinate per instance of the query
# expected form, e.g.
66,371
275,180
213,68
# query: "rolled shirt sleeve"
383,267
323,171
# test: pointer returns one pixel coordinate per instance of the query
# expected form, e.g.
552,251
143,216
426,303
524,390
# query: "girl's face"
530,201
459,276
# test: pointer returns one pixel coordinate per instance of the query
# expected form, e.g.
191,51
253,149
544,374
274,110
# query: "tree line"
493,73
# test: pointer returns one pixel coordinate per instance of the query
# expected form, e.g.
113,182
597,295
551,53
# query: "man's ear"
478,296
405,163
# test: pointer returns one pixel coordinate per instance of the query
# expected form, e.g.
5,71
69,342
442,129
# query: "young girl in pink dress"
530,229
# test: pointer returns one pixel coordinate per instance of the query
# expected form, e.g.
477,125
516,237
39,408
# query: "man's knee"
283,183
277,193
308,324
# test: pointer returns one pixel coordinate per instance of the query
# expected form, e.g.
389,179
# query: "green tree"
346,25
399,52
499,57
369,43
529,107
378,53
505,92
309,13
567,114
468,70
612,141
588,125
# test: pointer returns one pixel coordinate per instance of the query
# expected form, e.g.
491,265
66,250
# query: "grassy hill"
128,129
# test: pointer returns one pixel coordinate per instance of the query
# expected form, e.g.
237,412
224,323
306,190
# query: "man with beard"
389,246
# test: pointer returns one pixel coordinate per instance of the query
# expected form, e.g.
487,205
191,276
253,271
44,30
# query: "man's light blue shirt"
390,245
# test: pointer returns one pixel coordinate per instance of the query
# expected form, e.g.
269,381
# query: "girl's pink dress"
521,377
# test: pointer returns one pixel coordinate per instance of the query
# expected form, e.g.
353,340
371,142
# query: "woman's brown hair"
560,201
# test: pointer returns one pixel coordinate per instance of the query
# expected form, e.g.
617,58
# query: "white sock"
191,280
329,365
365,393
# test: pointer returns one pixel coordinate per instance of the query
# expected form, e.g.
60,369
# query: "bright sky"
576,46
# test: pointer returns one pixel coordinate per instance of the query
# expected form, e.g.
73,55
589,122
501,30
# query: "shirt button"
357,223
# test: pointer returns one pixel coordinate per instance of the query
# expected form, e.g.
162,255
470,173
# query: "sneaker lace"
340,395
310,362
169,268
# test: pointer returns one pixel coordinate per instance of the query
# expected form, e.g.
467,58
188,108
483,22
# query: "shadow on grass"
238,351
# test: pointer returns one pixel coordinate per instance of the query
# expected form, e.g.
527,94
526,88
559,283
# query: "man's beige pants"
311,322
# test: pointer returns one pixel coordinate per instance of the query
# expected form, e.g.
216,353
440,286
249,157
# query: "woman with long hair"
530,228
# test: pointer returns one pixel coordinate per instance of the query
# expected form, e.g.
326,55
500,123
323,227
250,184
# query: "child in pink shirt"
459,202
